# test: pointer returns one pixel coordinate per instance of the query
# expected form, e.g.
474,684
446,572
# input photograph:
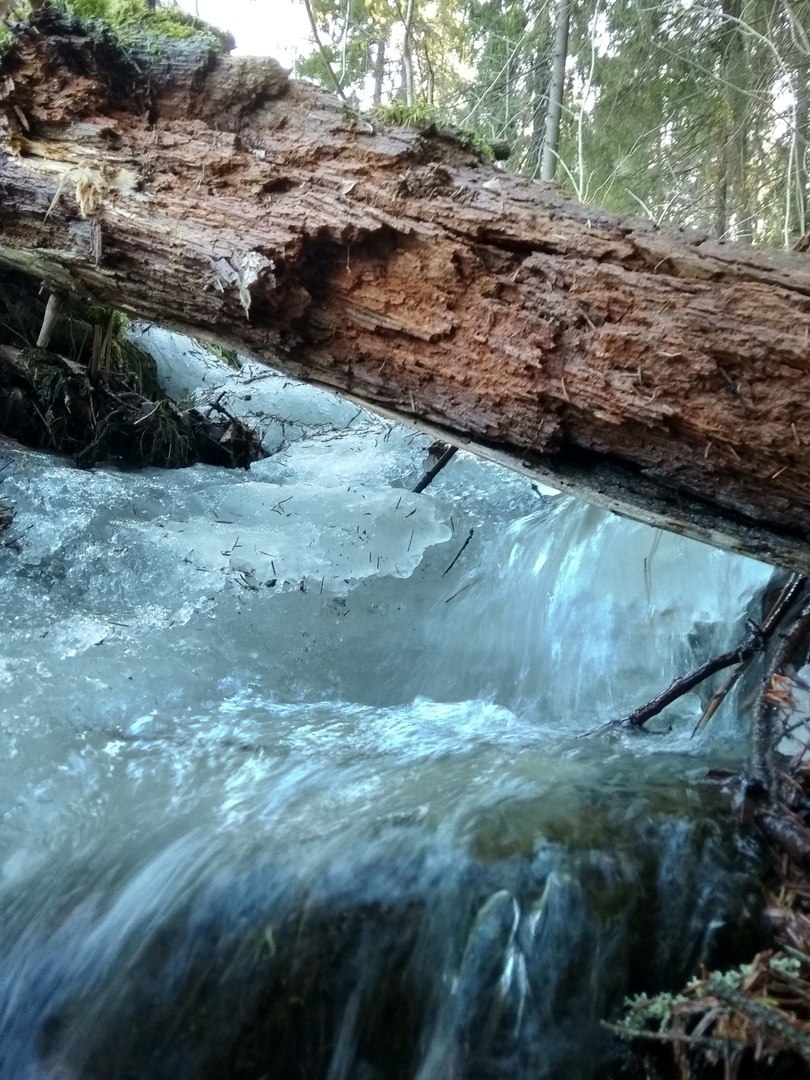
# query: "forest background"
695,113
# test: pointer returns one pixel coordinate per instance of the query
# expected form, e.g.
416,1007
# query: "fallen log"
660,374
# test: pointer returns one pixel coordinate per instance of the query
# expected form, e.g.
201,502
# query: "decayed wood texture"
660,374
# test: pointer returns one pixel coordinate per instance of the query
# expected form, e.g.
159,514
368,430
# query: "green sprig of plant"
419,115
422,116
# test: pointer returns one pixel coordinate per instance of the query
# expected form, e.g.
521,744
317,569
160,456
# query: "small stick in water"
460,550
445,455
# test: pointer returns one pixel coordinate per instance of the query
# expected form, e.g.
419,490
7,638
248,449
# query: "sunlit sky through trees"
276,28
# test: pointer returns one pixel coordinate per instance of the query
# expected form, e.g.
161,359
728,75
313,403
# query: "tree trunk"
379,71
408,84
740,83
538,79
556,91
800,201
662,374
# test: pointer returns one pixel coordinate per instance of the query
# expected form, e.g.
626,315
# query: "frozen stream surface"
287,792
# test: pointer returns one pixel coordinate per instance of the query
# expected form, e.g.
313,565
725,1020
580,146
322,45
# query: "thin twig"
719,696
685,683
322,51
763,1017
715,1044
460,550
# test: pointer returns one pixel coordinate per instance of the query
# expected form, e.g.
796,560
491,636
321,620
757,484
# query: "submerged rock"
398,954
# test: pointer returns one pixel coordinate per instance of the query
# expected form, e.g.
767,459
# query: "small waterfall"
292,782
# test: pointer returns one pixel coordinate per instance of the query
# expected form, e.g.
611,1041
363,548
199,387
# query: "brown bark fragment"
664,375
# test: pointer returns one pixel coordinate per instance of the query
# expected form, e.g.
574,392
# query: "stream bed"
292,785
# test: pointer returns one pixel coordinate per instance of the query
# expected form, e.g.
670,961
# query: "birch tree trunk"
408,85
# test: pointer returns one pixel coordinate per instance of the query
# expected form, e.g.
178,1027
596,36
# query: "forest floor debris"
94,394
753,1021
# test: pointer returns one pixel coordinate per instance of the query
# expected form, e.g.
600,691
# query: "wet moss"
431,121
136,26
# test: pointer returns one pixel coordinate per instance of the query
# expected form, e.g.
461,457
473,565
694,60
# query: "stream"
292,785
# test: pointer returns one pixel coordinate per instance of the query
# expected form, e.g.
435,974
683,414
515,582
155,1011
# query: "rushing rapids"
292,785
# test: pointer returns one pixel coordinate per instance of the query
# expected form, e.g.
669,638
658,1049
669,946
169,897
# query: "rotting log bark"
662,375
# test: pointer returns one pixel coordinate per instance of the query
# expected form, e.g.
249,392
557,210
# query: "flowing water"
291,782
